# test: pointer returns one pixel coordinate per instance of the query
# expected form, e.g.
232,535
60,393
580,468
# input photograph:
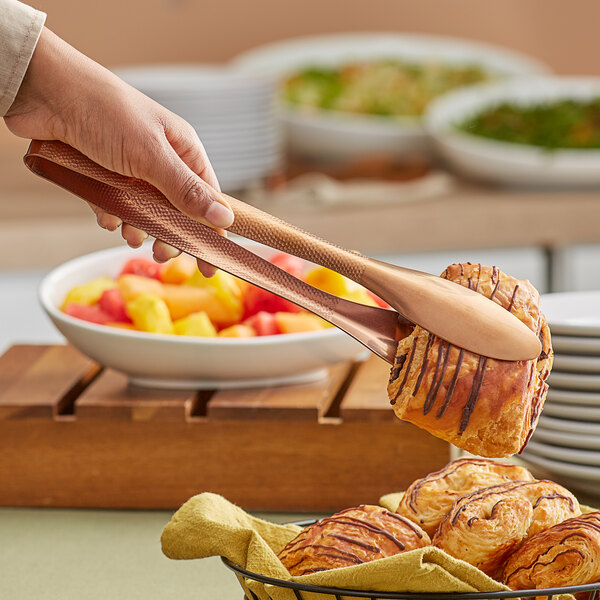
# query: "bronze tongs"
450,311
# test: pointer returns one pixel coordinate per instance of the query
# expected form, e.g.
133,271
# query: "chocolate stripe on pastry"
427,500
485,406
485,527
565,554
352,536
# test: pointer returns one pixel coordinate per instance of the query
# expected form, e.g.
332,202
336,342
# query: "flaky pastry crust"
566,554
485,406
351,537
427,500
484,527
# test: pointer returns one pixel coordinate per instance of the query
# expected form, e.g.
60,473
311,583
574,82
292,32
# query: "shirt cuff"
20,28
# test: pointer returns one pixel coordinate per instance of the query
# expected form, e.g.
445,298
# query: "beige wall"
563,33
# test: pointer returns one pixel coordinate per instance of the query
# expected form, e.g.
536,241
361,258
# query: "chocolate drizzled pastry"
566,554
351,537
485,406
485,527
427,500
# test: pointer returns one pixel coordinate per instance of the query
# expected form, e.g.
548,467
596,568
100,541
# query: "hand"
68,97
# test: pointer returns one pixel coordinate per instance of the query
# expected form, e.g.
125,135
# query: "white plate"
196,79
574,381
570,440
571,411
573,397
578,457
576,364
585,479
510,163
327,134
575,345
194,362
569,426
571,471
573,313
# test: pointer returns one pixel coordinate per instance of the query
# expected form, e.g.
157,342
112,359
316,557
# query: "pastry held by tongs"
450,311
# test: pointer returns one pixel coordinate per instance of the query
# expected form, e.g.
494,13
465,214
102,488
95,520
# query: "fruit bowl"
170,361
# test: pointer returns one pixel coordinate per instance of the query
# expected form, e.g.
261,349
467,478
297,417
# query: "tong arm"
140,204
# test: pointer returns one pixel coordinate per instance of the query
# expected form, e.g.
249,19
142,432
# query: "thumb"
189,193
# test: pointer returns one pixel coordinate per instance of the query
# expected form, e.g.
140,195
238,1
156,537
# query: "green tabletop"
56,554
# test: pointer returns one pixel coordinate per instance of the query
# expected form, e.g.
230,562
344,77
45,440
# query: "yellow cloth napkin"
209,525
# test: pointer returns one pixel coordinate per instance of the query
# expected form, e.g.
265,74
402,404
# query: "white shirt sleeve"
20,28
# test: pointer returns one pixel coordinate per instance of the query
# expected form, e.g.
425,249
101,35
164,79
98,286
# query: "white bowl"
329,134
510,163
190,362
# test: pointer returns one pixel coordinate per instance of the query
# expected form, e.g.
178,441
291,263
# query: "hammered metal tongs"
453,312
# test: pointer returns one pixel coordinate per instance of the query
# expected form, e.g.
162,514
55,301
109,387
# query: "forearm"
58,88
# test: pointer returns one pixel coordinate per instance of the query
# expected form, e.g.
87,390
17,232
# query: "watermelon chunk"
112,303
143,267
92,314
264,323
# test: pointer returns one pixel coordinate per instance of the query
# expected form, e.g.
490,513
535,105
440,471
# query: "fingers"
136,237
105,220
133,236
185,188
206,268
163,252
187,145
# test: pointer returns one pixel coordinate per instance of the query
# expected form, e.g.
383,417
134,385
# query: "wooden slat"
304,402
48,384
110,397
366,398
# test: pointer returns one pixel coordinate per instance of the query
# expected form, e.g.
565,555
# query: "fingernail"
219,215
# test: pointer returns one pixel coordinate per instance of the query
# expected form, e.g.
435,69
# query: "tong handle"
254,224
140,204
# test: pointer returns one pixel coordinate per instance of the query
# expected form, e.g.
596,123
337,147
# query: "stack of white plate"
567,441
232,112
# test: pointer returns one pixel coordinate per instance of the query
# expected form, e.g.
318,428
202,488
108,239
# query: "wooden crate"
74,434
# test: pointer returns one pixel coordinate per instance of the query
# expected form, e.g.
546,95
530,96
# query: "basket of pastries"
478,528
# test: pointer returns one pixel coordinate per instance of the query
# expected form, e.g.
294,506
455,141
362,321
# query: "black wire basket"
301,589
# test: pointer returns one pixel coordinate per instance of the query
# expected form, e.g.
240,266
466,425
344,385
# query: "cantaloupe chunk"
132,286
179,269
238,331
183,300
298,322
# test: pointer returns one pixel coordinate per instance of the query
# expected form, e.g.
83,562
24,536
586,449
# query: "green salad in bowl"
385,87
559,124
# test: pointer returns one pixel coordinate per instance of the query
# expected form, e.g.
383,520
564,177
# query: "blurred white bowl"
505,162
326,134
171,361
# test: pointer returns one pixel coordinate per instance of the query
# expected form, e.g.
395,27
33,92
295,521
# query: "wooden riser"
72,434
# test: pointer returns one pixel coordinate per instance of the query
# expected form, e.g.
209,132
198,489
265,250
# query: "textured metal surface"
254,224
143,206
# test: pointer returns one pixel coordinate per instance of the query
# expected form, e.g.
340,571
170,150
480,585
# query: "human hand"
68,97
